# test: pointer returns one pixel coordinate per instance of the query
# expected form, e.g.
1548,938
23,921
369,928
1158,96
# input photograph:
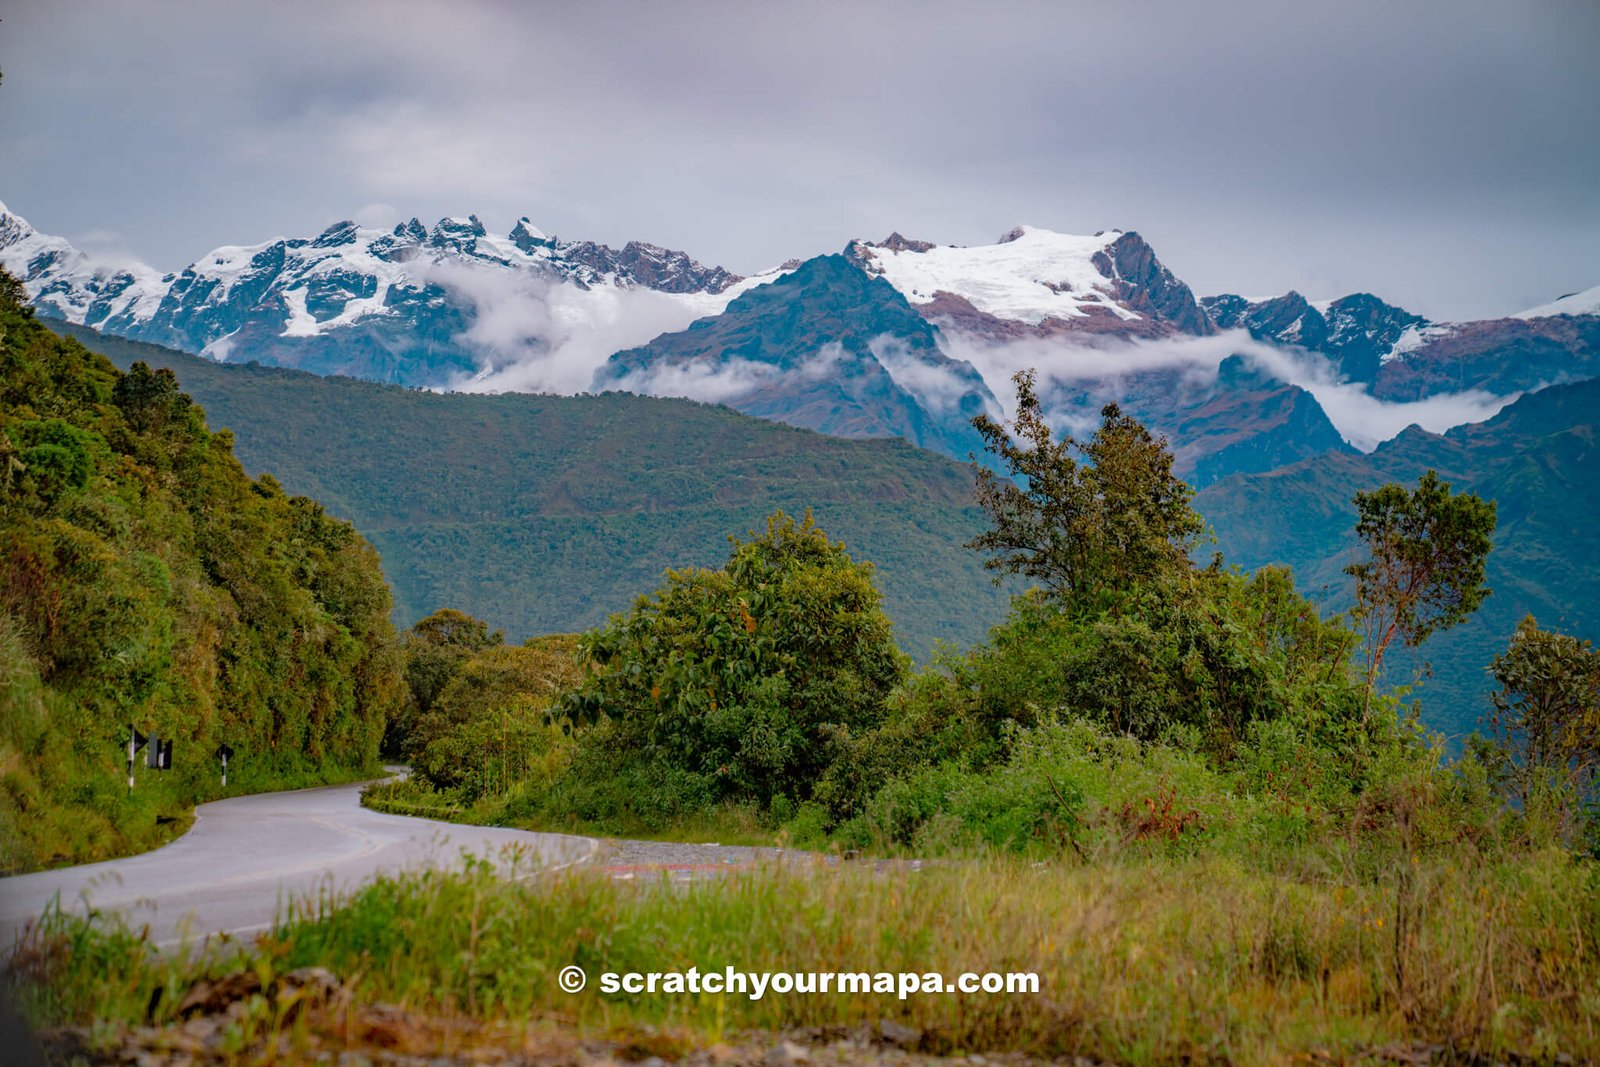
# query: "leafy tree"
449,628
150,399
433,650
1082,518
1425,566
491,720
13,294
1546,723
56,456
746,678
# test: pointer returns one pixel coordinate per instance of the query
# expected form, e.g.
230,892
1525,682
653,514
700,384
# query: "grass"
726,824
1142,958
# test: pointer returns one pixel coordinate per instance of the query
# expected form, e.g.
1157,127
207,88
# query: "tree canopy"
1546,721
1424,571
1081,518
747,677
146,580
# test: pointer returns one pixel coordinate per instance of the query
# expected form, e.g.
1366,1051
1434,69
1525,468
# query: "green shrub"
736,684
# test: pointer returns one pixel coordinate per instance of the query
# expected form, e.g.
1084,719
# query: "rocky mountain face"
1496,355
827,347
1355,332
661,269
899,337
1246,421
1400,356
1143,285
849,346
394,305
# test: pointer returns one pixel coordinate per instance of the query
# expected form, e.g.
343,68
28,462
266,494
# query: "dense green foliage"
742,683
693,705
544,514
1207,662
432,652
145,579
478,719
1544,736
1129,638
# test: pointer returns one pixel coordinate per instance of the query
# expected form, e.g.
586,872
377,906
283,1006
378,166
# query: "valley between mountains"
546,512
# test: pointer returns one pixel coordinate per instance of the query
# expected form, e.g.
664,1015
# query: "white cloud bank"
724,382
541,336
1360,418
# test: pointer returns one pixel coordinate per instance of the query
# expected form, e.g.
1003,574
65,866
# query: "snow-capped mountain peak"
525,233
1029,276
73,285
1586,302
1037,280
398,304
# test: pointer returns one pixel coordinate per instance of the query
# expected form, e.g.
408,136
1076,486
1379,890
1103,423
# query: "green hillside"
543,514
1537,460
147,581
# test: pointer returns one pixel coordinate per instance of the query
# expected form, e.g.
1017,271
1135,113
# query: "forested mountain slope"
546,513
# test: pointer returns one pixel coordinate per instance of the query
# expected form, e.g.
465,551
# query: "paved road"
246,854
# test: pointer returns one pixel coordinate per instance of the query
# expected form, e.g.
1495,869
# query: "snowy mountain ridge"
1586,302
294,300
898,337
1038,282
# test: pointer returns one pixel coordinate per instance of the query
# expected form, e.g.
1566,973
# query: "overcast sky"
1445,155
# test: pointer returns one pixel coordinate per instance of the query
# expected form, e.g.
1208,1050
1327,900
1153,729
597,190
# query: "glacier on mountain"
1031,275
896,337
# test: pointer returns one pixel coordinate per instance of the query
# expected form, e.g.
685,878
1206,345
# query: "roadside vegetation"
147,582
1147,951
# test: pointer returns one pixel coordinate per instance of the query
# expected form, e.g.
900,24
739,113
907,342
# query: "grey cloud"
1440,153
727,381
937,387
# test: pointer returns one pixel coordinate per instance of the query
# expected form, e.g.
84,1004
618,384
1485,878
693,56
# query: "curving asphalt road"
244,855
